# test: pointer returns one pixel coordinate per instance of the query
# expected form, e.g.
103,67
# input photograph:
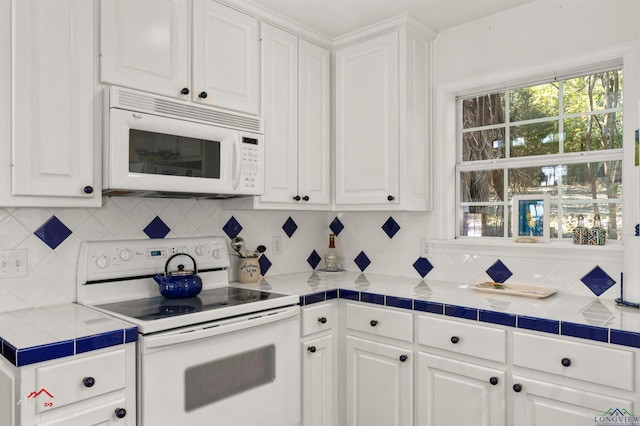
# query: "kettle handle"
166,265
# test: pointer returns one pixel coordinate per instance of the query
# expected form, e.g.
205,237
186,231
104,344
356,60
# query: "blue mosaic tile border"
563,328
31,355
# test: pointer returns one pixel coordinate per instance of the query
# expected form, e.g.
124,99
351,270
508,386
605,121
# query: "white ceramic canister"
248,270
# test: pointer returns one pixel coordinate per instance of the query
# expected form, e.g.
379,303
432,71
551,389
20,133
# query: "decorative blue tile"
637,229
582,331
461,312
625,338
497,318
362,261
349,294
332,294
499,272
53,232
314,298
598,281
377,299
157,228
314,259
131,335
423,266
232,228
301,300
43,353
539,324
99,341
399,302
265,264
9,352
432,307
289,227
336,226
391,227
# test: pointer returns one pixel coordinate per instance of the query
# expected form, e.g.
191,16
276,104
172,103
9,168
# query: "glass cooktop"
156,308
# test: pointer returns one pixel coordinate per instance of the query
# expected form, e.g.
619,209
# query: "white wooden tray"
516,289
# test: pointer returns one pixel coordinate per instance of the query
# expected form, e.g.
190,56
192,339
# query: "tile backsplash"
371,242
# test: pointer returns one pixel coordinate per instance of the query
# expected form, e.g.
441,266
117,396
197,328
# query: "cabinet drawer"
380,321
66,381
607,366
468,339
317,318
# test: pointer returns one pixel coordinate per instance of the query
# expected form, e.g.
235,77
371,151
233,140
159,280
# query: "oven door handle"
219,327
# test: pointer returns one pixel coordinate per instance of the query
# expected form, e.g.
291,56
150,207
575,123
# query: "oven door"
239,372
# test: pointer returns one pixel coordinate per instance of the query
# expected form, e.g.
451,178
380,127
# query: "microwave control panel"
251,175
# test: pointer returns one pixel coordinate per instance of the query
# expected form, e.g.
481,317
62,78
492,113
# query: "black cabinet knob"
322,320
391,198
493,381
184,91
88,381
373,323
403,358
566,362
297,198
517,387
305,198
120,413
203,95
312,349
455,339
88,189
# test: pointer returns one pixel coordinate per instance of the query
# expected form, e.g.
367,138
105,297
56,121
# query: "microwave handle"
237,162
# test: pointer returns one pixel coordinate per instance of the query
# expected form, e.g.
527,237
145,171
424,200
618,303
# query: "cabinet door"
144,44
314,139
379,384
53,101
95,415
280,92
225,57
453,393
540,403
367,91
317,381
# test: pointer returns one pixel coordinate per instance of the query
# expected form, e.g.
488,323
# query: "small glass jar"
580,232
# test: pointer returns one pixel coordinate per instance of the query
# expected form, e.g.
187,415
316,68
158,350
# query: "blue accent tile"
625,338
497,318
362,261
582,331
377,299
301,301
9,352
314,259
598,281
400,302
336,226
265,264
314,298
53,232
131,335
289,227
539,324
423,266
157,228
349,294
431,307
43,353
332,294
99,341
638,230
391,227
499,272
461,312
232,228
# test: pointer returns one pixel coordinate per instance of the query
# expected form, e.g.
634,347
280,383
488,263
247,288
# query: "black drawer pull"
403,358
322,320
88,381
312,349
493,381
517,387
566,362
120,413
184,91
455,339
373,323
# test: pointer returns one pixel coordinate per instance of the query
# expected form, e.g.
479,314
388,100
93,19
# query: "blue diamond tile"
598,281
232,228
53,232
157,228
336,226
362,261
499,272
423,266
289,227
390,227
314,259
265,264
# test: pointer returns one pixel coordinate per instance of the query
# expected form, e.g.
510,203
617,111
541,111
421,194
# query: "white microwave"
159,146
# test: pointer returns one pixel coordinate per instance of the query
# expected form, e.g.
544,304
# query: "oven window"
222,378
162,154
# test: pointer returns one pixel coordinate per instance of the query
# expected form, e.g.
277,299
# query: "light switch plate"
13,263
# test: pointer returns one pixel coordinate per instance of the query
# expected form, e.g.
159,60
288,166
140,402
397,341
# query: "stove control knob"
217,253
102,262
200,250
126,255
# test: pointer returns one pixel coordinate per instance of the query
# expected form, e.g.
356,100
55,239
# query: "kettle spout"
160,279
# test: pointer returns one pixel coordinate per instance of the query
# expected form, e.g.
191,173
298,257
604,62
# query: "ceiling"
337,17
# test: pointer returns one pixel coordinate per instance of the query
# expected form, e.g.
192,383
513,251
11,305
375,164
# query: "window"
562,138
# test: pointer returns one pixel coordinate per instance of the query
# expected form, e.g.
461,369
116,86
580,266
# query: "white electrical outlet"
276,245
13,263
426,247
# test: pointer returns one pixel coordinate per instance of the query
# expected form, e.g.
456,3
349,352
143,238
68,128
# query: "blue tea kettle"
182,282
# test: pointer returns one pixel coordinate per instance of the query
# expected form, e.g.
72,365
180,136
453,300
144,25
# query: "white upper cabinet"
382,134
146,45
49,155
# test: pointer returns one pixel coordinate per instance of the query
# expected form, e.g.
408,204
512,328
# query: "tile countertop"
563,314
41,334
